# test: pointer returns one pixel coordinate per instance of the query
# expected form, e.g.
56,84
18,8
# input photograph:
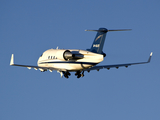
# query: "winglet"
12,60
150,57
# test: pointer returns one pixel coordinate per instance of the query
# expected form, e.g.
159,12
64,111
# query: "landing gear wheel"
79,74
66,74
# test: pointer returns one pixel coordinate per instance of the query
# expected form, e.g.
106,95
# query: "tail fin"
99,40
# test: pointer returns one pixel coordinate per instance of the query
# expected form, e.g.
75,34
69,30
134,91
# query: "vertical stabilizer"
99,40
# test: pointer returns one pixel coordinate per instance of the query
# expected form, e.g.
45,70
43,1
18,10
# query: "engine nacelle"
64,55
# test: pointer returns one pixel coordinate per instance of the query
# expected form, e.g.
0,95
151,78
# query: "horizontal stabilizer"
106,30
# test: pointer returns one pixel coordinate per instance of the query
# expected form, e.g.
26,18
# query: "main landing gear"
78,74
66,74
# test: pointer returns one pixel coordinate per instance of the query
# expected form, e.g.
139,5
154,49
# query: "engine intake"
64,55
68,55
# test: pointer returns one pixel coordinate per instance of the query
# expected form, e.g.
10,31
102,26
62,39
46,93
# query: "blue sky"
28,28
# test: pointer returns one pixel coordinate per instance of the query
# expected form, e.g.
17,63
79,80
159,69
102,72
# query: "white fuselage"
82,59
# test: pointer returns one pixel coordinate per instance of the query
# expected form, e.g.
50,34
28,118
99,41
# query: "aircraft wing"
42,69
117,65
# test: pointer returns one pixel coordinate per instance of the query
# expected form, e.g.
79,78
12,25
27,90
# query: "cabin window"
52,57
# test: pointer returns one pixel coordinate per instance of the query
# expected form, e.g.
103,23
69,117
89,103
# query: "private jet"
66,61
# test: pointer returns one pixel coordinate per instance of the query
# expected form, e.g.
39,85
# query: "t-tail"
98,43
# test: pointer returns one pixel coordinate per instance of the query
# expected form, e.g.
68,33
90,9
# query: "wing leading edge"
118,65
